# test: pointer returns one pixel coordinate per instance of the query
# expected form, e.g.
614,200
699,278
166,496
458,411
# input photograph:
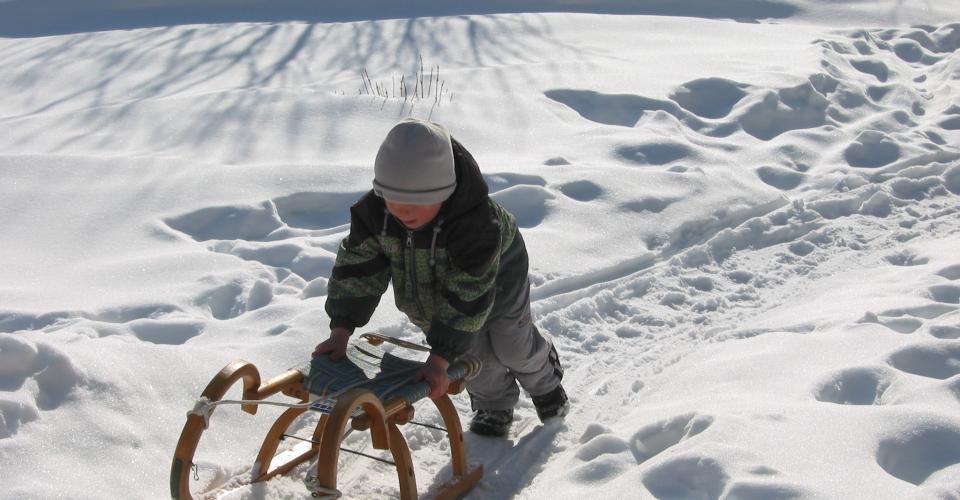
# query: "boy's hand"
335,345
434,371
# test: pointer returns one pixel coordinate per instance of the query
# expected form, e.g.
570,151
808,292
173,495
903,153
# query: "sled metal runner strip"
371,457
428,426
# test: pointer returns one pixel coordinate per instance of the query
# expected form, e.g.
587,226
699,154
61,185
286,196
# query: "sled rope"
204,406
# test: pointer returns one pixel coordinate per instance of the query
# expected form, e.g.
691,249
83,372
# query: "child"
459,270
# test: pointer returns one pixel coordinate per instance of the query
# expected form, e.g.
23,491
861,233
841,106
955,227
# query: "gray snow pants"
513,350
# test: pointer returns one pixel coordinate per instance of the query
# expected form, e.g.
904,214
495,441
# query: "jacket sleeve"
467,291
360,276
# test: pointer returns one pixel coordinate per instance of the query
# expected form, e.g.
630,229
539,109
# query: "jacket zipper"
413,275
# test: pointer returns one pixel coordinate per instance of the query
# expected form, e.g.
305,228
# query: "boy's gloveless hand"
335,346
434,371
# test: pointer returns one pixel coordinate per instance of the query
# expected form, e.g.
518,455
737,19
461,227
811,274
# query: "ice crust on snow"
746,252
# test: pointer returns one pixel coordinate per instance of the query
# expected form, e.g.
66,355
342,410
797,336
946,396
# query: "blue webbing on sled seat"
368,367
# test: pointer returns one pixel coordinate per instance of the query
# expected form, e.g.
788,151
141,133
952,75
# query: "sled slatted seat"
369,391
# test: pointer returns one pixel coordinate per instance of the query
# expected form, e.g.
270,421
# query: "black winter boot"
553,404
494,423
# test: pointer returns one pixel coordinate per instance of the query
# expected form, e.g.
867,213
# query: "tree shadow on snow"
125,79
31,18
122,80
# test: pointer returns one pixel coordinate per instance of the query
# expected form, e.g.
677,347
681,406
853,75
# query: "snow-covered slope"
744,236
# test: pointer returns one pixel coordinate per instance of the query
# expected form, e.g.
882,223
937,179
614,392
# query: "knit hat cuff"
414,197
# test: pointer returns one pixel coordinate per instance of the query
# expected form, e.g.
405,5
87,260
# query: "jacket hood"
471,187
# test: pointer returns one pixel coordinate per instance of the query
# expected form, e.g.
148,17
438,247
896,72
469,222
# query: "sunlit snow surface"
743,220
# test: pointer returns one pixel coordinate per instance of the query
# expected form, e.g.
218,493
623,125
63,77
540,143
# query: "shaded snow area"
743,221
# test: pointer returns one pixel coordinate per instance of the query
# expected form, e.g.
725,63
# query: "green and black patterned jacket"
449,277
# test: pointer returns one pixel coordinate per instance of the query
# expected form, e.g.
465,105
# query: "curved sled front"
370,391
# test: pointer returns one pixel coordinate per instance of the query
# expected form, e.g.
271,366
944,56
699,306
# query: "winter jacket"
449,277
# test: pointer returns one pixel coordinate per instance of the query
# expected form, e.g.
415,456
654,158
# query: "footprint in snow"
556,161
237,222
525,196
926,311
946,326
313,210
621,110
906,257
52,372
863,48
909,50
952,123
925,455
871,66
529,204
801,248
784,110
687,476
740,276
231,299
702,283
683,169
269,233
15,321
695,475
855,386
781,178
899,324
951,273
267,221
659,153
872,149
13,414
602,457
947,294
169,332
938,360
673,299
709,97
582,190
650,204
654,439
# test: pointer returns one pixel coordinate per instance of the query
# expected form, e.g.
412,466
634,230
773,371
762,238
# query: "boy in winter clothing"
459,271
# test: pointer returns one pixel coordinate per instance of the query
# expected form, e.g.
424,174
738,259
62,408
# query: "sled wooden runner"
369,391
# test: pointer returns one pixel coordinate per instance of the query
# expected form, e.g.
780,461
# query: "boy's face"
413,216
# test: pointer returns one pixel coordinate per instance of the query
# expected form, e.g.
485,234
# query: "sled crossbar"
369,391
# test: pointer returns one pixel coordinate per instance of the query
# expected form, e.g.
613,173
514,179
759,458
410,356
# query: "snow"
742,218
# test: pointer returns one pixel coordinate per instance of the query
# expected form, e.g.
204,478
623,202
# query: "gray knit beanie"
415,164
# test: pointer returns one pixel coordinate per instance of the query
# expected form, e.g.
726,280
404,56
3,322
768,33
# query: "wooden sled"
368,391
